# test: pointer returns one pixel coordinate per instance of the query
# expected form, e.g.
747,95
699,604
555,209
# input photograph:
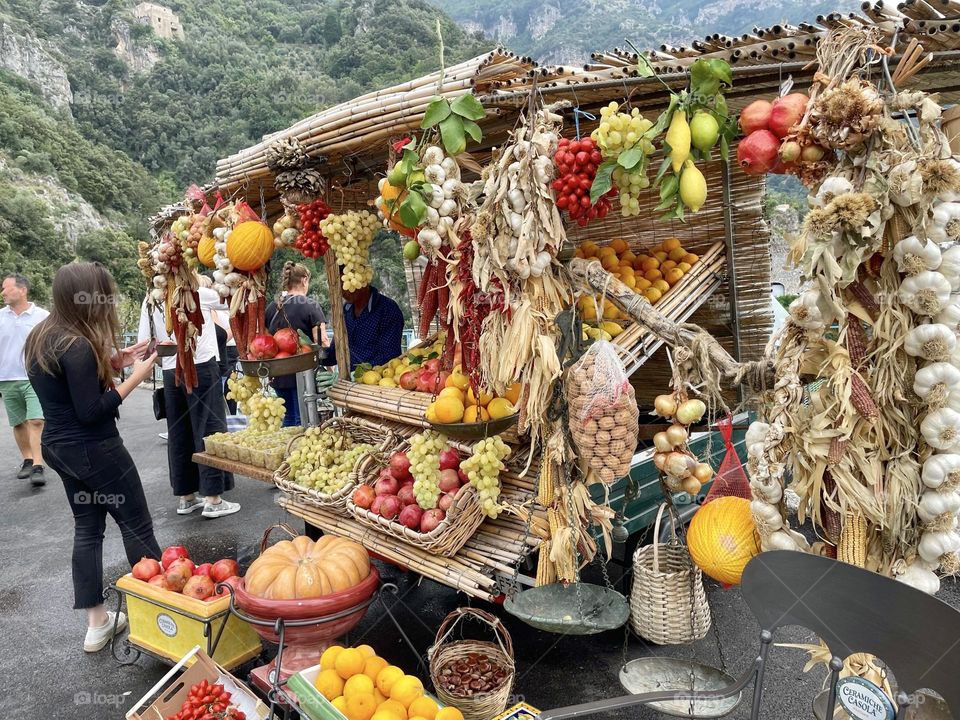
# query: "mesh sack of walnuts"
603,412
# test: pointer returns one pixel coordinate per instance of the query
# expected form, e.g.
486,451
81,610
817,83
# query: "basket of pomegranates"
283,353
321,464
475,676
420,495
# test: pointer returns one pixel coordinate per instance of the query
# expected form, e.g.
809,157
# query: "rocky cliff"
21,53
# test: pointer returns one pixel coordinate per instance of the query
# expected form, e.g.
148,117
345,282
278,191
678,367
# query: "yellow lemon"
388,382
394,707
370,377
485,398
361,707
458,380
431,413
406,690
329,657
449,713
349,662
453,392
475,413
423,707
329,684
387,677
449,409
500,408
359,684
340,703
387,372
373,666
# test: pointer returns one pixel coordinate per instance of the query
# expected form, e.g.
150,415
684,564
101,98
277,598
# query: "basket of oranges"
464,415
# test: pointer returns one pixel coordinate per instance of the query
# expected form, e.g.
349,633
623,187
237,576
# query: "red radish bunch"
311,241
577,162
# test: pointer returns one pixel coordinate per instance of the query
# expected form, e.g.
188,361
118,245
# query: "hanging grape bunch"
350,236
577,162
622,141
483,470
311,241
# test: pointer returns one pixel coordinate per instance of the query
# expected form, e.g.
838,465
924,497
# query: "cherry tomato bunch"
577,162
206,701
311,241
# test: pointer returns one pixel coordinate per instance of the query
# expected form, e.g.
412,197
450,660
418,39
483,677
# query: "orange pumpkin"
302,568
205,251
722,538
250,245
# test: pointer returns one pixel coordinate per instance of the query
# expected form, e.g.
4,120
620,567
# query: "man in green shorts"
17,318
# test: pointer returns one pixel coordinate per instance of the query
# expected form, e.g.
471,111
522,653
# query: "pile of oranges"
454,404
364,686
651,274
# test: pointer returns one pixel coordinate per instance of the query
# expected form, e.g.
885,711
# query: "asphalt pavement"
47,674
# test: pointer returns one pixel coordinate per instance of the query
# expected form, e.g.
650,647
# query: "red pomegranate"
410,516
408,381
755,116
449,459
287,340
187,563
386,484
232,581
400,466
449,480
430,519
160,581
223,569
390,506
263,347
203,569
786,113
364,496
406,496
446,500
172,553
758,152
146,568
199,587
177,576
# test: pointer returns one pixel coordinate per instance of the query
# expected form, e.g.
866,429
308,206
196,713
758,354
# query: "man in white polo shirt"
17,318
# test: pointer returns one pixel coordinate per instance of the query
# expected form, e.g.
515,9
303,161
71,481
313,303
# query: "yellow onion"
690,411
676,434
703,472
660,460
679,464
665,405
691,485
661,441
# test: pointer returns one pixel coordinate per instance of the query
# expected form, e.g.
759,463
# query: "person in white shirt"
17,318
193,416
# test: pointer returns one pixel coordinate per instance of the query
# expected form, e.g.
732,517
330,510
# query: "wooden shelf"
237,468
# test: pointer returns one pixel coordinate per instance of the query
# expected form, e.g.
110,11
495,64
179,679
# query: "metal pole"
731,265
307,397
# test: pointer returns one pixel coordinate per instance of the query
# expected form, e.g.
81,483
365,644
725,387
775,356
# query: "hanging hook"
577,114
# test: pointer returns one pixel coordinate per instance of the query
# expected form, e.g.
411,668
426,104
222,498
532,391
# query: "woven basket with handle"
500,653
462,518
360,431
668,604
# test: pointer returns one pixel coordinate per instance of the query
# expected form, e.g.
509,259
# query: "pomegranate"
446,500
449,480
758,152
287,340
203,569
232,581
386,485
160,581
786,113
427,381
390,506
430,519
463,476
432,365
755,116
177,576
408,381
281,355
263,347
172,553
364,496
790,151
199,587
186,562
410,516
812,153
406,495
400,466
146,568
223,569
449,459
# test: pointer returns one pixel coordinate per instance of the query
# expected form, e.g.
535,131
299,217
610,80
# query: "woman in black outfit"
295,310
71,358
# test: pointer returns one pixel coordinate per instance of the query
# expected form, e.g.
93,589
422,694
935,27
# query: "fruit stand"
581,256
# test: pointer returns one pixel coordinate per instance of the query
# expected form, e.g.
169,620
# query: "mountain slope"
567,31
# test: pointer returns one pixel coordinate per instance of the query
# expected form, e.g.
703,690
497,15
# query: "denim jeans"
100,479
291,404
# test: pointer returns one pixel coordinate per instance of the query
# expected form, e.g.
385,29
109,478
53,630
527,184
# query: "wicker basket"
462,519
361,431
478,707
668,605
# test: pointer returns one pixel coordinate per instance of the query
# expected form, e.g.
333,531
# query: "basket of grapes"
429,492
321,462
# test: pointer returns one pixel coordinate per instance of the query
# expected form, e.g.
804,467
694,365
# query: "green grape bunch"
324,458
424,456
483,470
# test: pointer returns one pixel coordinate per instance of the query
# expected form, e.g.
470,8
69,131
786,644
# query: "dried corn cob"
853,540
865,298
829,518
862,399
545,488
835,454
856,342
546,570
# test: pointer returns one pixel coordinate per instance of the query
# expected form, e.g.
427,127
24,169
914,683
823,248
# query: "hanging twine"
577,114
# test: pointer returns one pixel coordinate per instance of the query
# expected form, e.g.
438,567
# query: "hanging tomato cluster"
577,162
311,241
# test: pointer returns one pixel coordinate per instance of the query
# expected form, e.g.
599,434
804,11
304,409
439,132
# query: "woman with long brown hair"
71,359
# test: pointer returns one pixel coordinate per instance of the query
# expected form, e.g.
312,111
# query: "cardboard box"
168,624
170,691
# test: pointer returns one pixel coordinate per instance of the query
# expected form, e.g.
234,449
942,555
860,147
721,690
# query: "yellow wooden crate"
169,624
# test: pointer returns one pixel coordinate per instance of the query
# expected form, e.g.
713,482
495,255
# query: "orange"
652,275
610,262
628,256
500,408
578,253
668,265
485,397
589,248
619,245
449,410
631,282
661,256
405,690
671,244
349,662
329,684
685,266
661,285
674,276
690,258
390,192
652,294
655,249
475,413
379,697
458,380
373,666
329,657
650,264
643,284
606,251
358,685
340,703
423,707
361,707
384,715
677,254
513,392
387,677
394,707
449,713
627,270
589,312
609,310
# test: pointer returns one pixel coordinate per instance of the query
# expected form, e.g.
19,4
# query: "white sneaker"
97,638
222,508
188,506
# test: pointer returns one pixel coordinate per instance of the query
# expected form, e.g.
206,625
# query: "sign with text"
863,700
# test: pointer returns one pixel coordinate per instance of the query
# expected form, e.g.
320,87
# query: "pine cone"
298,186
285,154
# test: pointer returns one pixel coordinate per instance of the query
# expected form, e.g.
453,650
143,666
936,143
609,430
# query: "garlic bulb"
934,382
950,315
933,342
805,312
829,189
451,169
914,255
944,226
757,432
950,266
941,429
433,155
926,293
919,576
941,468
770,491
436,197
766,517
434,174
934,544
784,539
933,504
